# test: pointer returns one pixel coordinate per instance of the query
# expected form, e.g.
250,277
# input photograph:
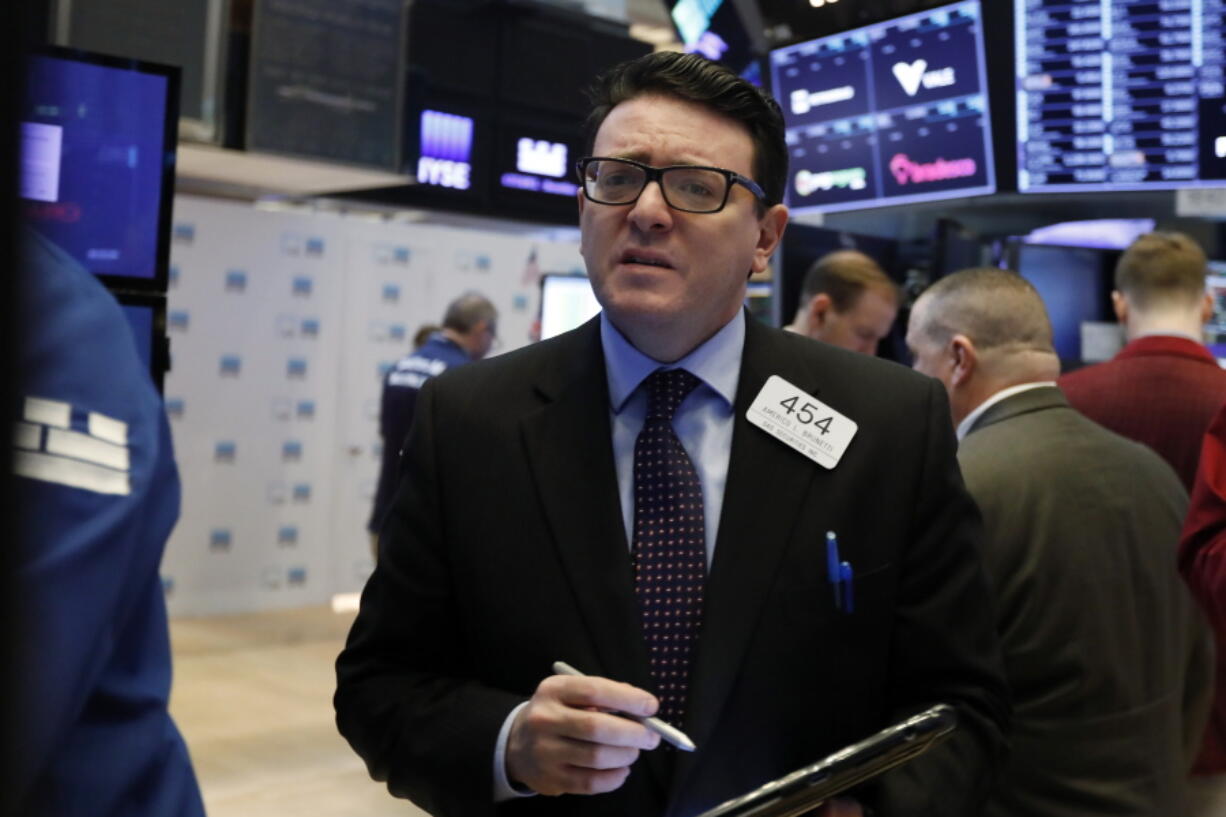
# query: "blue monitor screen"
1120,94
1074,283
94,162
892,113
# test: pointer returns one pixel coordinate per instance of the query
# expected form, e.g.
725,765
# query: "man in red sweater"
1164,386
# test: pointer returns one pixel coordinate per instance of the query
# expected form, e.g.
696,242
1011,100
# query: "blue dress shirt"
703,421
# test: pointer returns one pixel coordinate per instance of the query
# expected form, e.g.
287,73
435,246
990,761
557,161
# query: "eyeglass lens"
613,182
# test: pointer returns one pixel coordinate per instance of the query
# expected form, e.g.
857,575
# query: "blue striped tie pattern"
669,542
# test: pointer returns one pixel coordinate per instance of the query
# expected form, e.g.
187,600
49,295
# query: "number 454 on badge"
801,421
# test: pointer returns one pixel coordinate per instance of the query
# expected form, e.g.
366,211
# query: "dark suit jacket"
505,551
1108,659
1161,391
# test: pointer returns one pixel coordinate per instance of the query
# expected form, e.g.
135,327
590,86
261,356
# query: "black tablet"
806,788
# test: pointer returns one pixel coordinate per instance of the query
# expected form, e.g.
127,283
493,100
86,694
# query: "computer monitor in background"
1215,330
1119,95
891,113
954,248
146,314
566,303
98,141
1075,284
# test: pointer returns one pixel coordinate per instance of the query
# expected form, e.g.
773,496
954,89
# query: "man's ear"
965,359
1119,304
770,232
818,309
1206,308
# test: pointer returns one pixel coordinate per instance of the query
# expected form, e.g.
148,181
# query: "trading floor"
252,696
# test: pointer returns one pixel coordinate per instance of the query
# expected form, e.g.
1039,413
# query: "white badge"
800,420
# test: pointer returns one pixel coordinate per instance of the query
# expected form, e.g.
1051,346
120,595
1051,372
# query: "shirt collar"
716,361
968,422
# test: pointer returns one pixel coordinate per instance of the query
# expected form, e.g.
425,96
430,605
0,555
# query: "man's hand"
566,742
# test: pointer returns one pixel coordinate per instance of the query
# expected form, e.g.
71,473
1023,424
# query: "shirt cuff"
503,788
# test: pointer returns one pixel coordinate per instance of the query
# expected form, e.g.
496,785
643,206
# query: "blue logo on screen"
231,365
391,293
185,232
178,320
174,276
397,331
175,408
287,535
219,539
296,576
401,255
314,246
310,327
446,150
306,409
291,451
225,451
236,280
303,285
302,492
296,367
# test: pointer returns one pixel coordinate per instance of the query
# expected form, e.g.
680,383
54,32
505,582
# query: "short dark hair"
696,79
843,275
1161,268
465,312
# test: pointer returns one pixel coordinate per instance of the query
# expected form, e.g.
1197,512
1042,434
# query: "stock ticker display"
891,113
1119,94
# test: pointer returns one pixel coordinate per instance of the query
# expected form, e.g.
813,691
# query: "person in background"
1164,386
1202,560
423,334
470,327
99,493
848,301
602,498
1106,653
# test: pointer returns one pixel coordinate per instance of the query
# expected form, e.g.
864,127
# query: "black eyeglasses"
684,187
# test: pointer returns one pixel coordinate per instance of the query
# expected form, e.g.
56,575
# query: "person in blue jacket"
99,493
470,327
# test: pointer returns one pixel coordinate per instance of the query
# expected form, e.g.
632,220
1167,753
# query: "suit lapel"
570,452
767,483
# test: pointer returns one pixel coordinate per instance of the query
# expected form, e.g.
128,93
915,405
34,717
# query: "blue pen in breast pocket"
840,575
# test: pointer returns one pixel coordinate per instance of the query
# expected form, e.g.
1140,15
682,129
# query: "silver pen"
670,733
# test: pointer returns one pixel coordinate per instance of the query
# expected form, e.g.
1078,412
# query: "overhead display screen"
1120,94
892,113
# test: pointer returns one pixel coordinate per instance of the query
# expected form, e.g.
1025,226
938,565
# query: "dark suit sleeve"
405,697
945,646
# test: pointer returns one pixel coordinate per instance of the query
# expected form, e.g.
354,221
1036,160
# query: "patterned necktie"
669,544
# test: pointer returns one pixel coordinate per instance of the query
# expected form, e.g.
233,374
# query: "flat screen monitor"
97,162
146,314
716,29
1120,95
567,302
892,113
534,167
1215,330
1075,284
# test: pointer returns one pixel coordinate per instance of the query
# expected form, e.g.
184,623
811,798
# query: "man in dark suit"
609,498
1164,387
1106,654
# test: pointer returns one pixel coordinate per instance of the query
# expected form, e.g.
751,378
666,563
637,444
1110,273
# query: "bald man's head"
979,331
